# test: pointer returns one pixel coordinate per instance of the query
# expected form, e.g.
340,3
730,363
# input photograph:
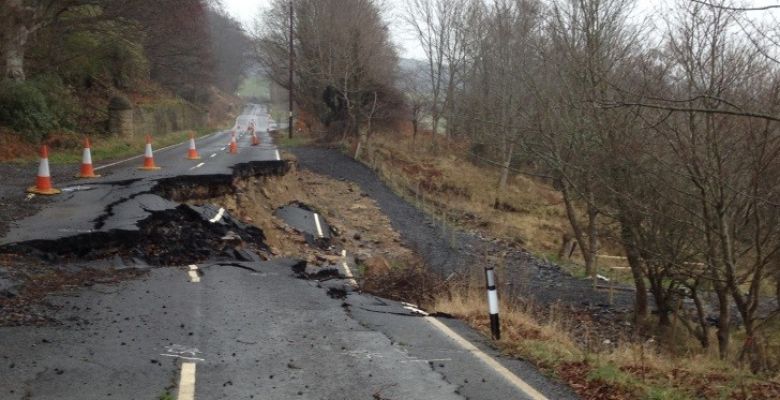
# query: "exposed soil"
356,221
447,251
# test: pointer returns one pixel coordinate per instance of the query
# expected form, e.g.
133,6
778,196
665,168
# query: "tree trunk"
702,335
593,238
13,39
359,146
724,322
434,128
641,310
504,173
414,131
579,235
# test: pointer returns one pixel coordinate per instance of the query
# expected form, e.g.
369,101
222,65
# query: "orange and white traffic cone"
43,181
233,144
192,153
255,139
148,157
86,162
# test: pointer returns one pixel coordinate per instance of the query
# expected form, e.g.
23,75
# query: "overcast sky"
247,10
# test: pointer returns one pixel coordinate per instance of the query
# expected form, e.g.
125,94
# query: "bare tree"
438,25
415,90
19,20
345,63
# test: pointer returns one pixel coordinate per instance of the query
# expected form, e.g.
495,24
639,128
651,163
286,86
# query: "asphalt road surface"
230,330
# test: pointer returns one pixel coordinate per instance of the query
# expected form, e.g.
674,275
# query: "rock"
8,287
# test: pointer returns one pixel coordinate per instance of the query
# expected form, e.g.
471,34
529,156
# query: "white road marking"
219,216
278,156
347,270
223,148
213,155
513,379
193,273
182,357
427,361
413,308
317,222
187,381
156,151
197,166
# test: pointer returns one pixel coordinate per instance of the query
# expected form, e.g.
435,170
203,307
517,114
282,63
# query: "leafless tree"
412,84
439,26
345,63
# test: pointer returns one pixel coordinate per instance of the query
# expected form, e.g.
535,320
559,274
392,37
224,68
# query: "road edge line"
513,379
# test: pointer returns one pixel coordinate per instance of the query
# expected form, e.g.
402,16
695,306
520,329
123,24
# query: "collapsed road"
211,311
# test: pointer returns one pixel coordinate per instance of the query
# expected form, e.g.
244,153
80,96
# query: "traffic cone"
233,144
43,181
255,139
86,162
148,157
192,153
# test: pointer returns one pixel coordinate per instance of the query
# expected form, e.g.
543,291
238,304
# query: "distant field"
255,86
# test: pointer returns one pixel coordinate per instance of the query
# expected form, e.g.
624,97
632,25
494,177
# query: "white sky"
247,10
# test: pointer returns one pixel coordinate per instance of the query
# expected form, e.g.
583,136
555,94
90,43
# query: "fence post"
495,326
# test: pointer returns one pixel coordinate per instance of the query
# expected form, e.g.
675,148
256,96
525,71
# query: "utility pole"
292,65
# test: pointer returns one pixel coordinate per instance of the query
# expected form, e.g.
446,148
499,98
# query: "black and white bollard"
495,326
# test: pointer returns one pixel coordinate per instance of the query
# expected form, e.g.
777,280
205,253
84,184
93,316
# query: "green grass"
255,86
285,142
165,396
112,148
610,373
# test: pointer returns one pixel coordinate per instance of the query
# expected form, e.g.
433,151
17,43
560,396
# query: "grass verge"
564,347
66,148
282,140
112,148
561,342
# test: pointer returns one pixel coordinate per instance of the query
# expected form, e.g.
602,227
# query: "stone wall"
169,116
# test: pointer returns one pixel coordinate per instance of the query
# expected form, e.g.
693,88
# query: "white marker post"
495,326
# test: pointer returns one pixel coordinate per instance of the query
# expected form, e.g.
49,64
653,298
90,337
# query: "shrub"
36,107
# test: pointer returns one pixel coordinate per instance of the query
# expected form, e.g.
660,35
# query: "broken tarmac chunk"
180,235
305,220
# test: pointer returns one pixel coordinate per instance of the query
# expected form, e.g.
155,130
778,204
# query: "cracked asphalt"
242,327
